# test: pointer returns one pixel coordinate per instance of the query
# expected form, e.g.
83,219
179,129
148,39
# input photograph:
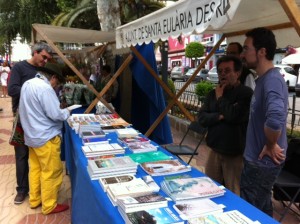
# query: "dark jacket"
227,136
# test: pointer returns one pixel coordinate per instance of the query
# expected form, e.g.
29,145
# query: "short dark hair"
106,68
240,47
237,63
263,38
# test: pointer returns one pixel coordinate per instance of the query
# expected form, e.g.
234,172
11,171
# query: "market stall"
231,18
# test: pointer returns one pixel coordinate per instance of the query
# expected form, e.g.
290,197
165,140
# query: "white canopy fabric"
183,17
245,15
73,35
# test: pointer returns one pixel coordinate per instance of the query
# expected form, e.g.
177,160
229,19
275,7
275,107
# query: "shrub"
202,89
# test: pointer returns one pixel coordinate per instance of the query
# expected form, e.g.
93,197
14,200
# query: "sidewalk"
21,214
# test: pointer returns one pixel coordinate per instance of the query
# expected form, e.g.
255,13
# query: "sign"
182,18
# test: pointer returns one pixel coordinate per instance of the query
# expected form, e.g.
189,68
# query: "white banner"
183,17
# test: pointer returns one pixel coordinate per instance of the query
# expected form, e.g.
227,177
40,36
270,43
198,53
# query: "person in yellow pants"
42,121
46,166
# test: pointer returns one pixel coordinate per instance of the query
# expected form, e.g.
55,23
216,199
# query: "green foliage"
194,50
203,88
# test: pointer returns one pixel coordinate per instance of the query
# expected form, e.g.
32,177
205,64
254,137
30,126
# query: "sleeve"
51,106
15,84
238,111
276,109
250,81
207,116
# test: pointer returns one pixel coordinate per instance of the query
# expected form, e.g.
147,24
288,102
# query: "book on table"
127,132
157,216
138,203
196,208
191,188
111,164
96,176
96,140
165,167
92,134
106,181
138,147
136,187
134,139
102,149
229,217
149,156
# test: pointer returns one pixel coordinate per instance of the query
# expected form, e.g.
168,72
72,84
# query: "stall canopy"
228,17
206,16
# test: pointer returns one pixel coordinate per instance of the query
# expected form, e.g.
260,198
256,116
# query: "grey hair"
40,46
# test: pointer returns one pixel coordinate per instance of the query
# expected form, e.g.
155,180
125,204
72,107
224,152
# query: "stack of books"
127,133
165,167
106,181
94,150
138,144
197,208
191,188
111,166
157,215
138,203
135,187
149,156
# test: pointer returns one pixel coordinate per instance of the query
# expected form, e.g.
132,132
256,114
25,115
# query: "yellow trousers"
45,175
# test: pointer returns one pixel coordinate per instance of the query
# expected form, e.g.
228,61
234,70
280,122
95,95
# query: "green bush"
203,88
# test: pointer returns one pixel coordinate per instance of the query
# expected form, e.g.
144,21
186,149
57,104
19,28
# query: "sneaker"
20,197
59,208
2,96
1,109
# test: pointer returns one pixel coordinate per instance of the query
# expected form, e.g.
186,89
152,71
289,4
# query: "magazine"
106,181
149,156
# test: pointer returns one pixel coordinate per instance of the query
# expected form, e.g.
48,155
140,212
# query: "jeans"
22,168
256,185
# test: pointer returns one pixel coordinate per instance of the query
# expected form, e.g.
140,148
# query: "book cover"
92,134
165,167
230,217
105,181
149,156
127,132
116,163
137,147
158,216
191,188
136,187
97,140
134,139
150,201
196,208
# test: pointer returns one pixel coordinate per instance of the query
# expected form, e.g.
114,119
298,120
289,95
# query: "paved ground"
21,214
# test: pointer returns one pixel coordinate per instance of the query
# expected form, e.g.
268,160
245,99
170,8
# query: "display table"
90,204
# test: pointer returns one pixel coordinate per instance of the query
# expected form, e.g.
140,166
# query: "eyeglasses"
225,71
45,57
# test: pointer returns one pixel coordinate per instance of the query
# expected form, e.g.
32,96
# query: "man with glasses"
225,112
266,141
21,72
247,78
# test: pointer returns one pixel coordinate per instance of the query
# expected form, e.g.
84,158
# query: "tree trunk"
108,14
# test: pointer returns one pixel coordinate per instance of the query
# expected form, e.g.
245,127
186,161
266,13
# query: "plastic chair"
287,186
183,149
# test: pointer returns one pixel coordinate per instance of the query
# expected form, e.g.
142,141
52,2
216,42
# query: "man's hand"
219,90
275,153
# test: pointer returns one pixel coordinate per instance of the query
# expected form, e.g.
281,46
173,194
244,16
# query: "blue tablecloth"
91,205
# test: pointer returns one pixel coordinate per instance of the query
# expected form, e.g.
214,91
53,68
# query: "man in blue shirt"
266,140
42,121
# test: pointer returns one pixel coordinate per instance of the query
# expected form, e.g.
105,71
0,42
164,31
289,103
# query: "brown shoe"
59,208
20,197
